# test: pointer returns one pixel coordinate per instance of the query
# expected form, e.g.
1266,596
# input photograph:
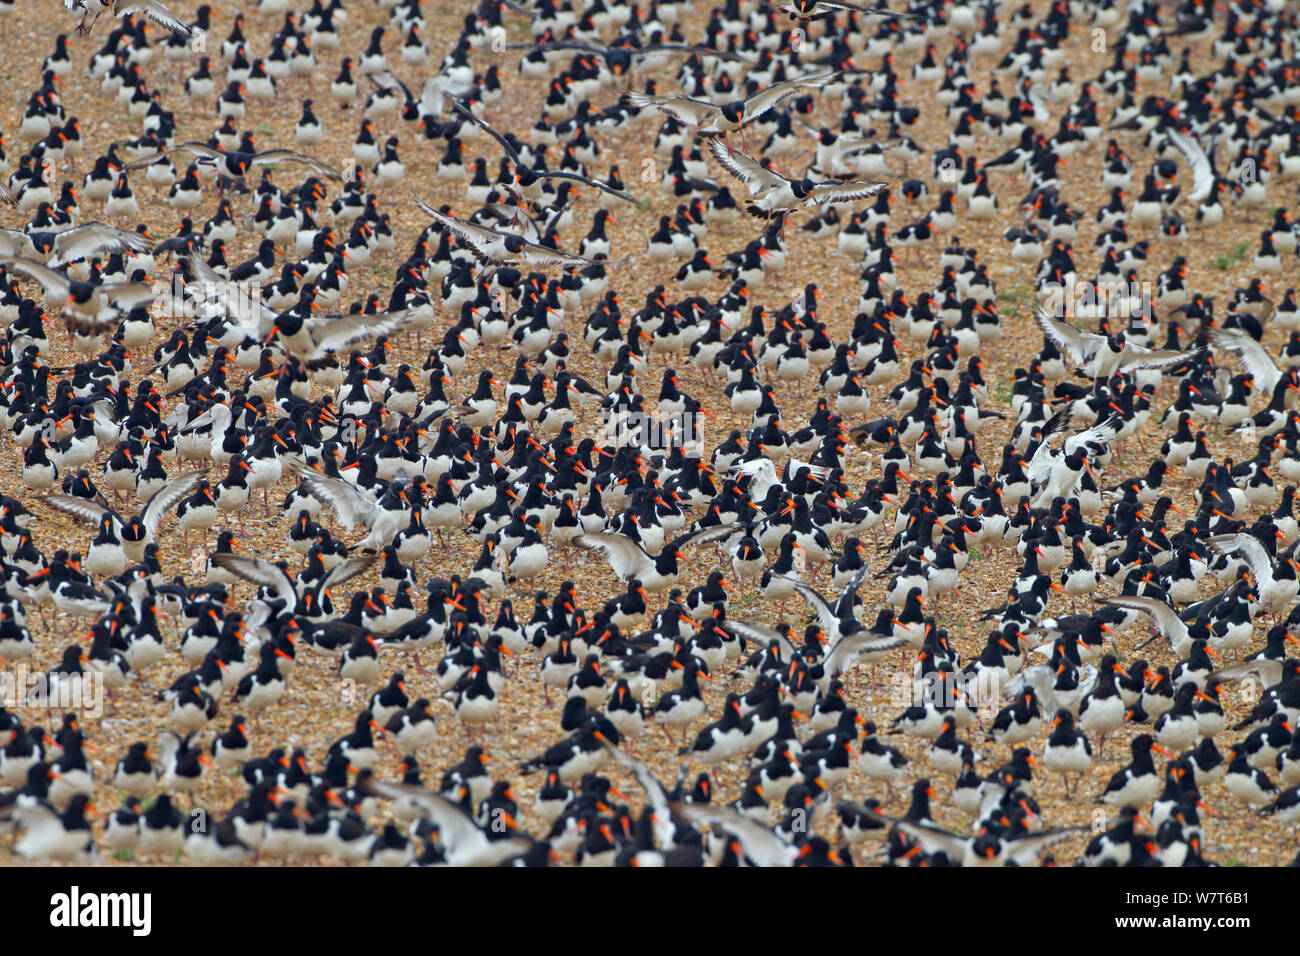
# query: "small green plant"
123,856
264,128
1228,260
1013,297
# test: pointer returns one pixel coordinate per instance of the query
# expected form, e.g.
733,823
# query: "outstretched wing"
874,11
1103,433
702,51
1138,357
85,240
546,256
290,156
663,821
12,242
207,275
455,826
835,192
1202,171
258,571
81,508
165,498
475,235
760,634
700,536
155,11
682,108
934,840
169,744
349,504
1023,850
349,568
1267,672
764,100
825,612
1249,547
1081,345
754,466
1254,357
844,606
1166,618
338,333
470,115
514,156
51,281
587,181
193,147
625,556
760,844
849,647
457,831
386,81
745,168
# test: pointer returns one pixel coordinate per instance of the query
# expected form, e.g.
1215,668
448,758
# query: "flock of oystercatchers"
264,382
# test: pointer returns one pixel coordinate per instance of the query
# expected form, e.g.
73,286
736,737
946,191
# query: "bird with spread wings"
152,9
496,248
1202,165
712,119
527,176
776,195
79,242
1101,356
237,163
90,308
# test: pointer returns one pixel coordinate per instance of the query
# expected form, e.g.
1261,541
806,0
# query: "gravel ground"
318,709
